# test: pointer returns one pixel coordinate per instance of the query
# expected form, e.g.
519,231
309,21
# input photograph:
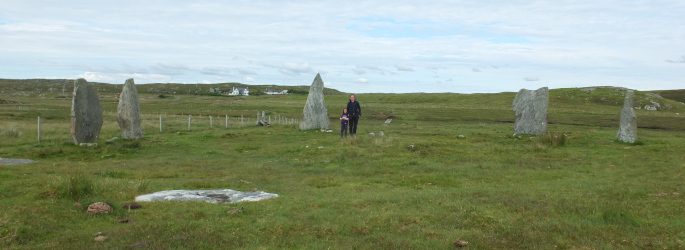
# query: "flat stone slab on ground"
212,196
10,161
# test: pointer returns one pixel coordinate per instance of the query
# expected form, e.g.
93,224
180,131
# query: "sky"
357,46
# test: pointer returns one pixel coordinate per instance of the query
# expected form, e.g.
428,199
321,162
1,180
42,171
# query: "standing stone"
86,113
627,129
530,108
315,112
128,112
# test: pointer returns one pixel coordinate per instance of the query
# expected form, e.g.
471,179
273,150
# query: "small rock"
127,221
381,133
410,147
329,131
98,208
83,144
235,210
100,238
76,204
462,136
461,243
372,134
132,205
320,147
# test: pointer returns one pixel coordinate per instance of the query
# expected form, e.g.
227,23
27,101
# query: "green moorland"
466,177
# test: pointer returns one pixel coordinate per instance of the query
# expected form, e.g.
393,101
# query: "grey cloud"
531,78
172,65
681,60
359,70
449,80
363,69
291,68
245,71
215,70
404,67
475,69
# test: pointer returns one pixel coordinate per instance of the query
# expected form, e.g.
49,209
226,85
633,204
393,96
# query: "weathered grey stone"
530,108
86,113
627,129
315,112
211,196
261,120
10,161
128,112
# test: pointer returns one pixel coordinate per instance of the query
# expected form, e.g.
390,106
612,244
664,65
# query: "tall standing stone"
530,108
315,112
627,129
128,112
86,113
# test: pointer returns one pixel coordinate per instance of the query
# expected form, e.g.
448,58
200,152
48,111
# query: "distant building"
215,90
275,92
239,91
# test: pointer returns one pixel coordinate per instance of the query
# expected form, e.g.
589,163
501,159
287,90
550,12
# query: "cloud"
249,79
121,77
363,69
681,60
216,70
531,78
291,68
361,80
475,69
359,70
449,80
404,67
245,71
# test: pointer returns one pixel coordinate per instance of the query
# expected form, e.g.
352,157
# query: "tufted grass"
572,188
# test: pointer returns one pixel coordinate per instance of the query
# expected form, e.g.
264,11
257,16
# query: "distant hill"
64,87
676,95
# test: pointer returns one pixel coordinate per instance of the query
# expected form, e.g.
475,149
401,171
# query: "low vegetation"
447,169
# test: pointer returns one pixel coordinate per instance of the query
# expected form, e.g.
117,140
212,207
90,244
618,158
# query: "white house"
239,91
275,92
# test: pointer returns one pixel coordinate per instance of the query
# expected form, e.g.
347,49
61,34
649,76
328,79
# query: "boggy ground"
489,188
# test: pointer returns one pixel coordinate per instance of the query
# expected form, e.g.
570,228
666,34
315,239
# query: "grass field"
492,189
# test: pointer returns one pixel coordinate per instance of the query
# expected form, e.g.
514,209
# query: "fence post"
211,122
242,121
226,121
160,123
39,129
189,118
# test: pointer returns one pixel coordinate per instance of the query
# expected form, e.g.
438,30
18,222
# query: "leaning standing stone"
86,113
627,129
315,112
530,108
128,112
